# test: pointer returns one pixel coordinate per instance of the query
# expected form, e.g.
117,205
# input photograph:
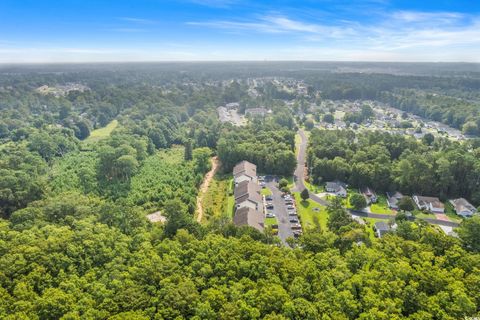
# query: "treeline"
268,145
392,162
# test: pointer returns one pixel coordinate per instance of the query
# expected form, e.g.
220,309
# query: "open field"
102,133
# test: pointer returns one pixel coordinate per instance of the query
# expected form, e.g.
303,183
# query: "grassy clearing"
266,192
381,206
450,212
215,201
102,133
309,217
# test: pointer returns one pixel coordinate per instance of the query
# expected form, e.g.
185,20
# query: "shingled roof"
246,187
246,168
249,217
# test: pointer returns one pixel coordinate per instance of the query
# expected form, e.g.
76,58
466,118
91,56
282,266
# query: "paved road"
299,177
284,230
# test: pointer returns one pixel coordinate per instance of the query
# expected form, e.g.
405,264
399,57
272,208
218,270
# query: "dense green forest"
81,170
392,162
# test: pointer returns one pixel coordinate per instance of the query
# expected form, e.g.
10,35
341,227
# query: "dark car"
293,220
269,198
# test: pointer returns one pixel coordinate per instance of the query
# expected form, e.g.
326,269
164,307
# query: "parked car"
296,226
270,206
269,198
290,208
293,220
270,215
292,213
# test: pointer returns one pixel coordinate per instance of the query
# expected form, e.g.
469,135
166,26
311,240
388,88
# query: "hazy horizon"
76,31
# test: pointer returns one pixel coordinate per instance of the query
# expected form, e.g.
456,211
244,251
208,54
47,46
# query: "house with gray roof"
463,207
245,171
393,198
380,228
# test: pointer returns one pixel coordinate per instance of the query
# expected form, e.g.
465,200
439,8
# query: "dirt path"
204,187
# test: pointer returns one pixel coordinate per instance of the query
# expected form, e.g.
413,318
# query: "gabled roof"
254,197
246,187
246,168
381,226
249,217
397,195
462,204
433,201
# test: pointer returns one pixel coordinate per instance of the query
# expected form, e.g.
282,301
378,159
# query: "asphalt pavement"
280,210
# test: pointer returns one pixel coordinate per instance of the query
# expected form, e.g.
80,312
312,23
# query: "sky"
33,31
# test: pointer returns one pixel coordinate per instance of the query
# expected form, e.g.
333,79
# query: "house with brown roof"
432,204
251,200
249,217
245,171
245,187
463,207
369,195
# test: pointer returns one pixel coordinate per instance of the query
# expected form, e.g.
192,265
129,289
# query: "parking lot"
283,209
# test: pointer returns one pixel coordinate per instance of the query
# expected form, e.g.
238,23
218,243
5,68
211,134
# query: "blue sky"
156,30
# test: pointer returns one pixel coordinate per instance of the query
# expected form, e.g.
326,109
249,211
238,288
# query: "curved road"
299,177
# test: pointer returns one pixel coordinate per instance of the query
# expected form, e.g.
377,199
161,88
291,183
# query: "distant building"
432,204
249,217
381,228
260,112
337,187
245,171
463,207
393,198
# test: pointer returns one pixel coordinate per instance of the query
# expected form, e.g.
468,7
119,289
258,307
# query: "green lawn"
450,212
381,206
314,188
266,192
270,221
102,133
308,216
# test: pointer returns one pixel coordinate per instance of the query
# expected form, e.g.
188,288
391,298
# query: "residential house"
245,171
337,187
463,207
245,187
246,216
251,200
380,228
393,198
369,195
232,105
432,204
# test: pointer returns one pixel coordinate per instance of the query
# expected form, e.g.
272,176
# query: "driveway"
280,210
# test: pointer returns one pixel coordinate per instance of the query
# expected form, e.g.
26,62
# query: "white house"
463,207
337,187
432,204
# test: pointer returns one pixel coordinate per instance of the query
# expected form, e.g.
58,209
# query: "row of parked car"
292,215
